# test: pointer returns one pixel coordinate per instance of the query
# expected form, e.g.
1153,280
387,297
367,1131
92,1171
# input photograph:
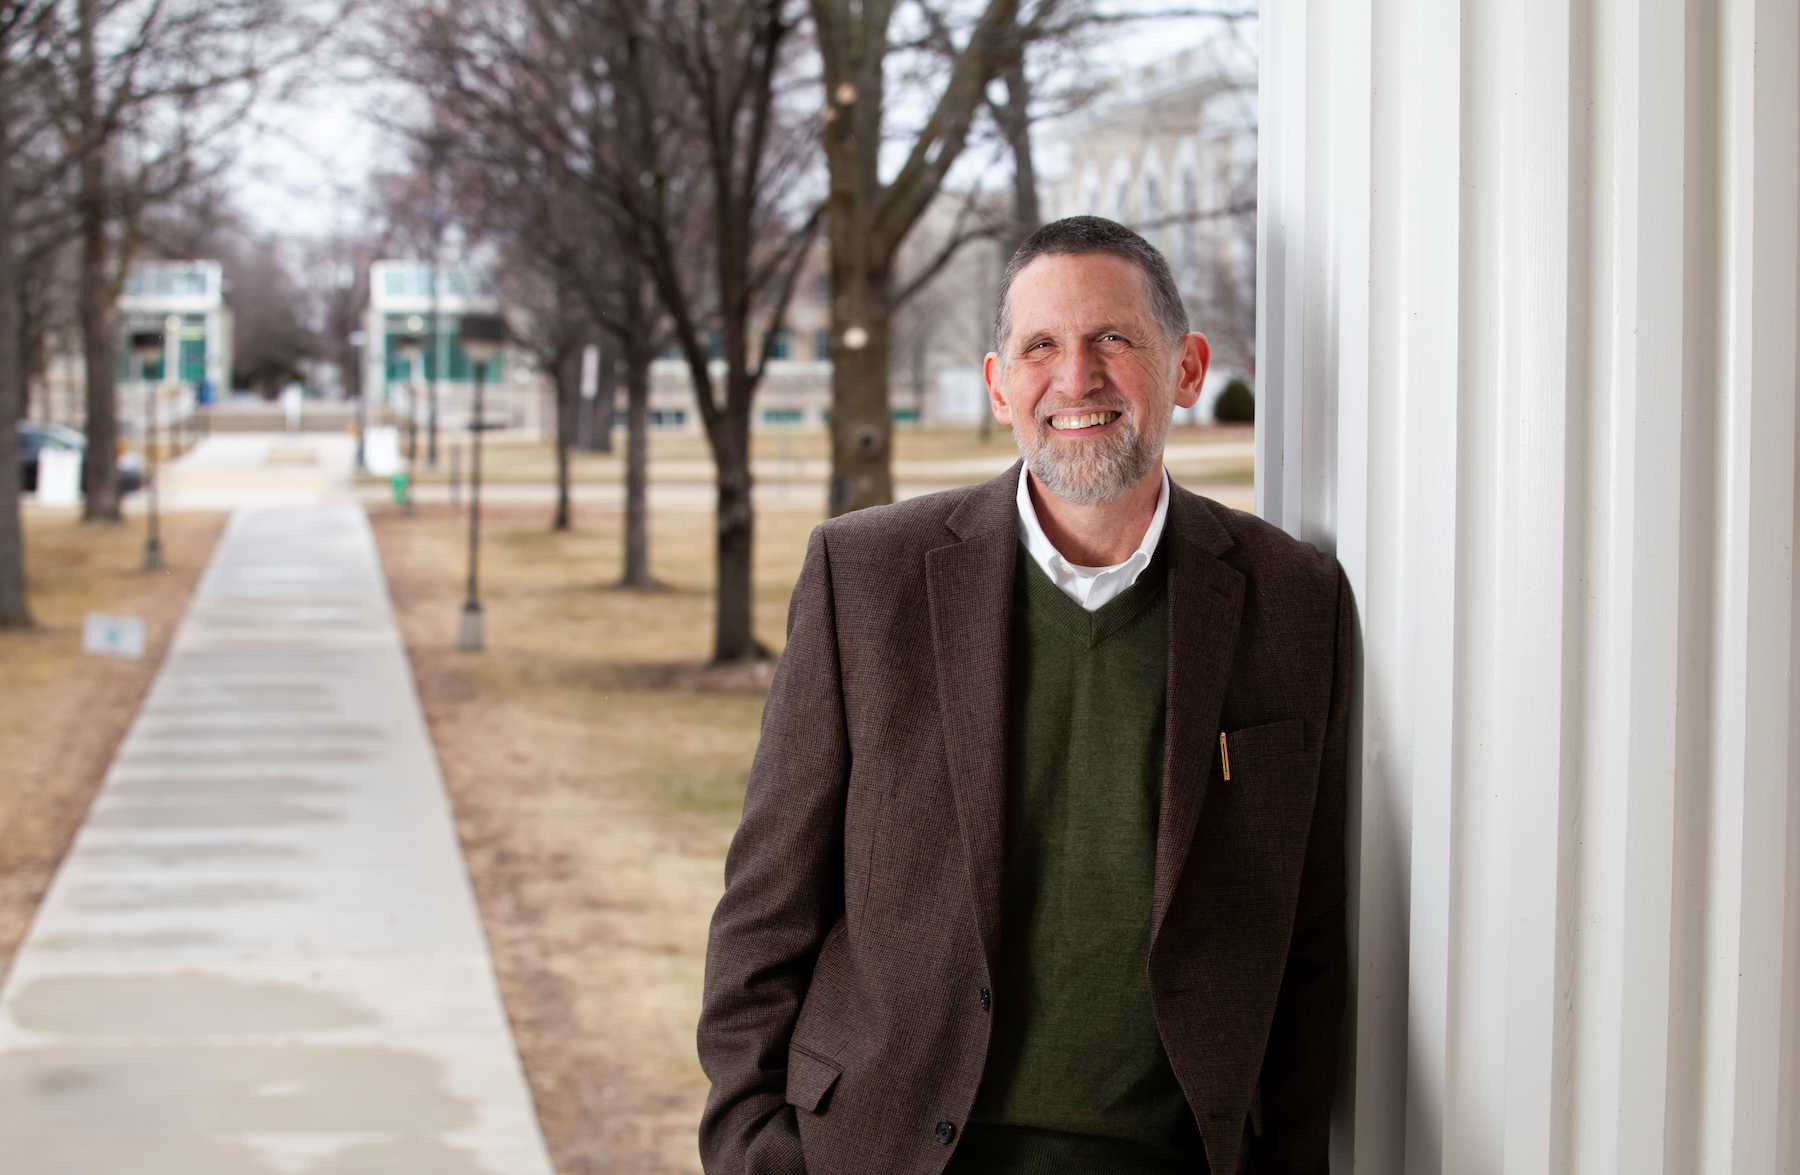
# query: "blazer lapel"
1205,603
970,585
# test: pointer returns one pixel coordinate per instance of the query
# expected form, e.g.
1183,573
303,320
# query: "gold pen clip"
1225,756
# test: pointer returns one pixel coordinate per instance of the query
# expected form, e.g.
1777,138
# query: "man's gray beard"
1095,473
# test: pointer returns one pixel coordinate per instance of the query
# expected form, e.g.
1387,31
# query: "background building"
402,300
198,352
194,292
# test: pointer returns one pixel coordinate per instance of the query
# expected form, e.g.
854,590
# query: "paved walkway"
230,471
263,954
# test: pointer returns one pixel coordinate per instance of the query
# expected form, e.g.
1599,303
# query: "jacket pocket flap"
1267,740
809,1079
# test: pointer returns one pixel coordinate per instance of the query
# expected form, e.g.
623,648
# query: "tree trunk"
600,409
734,632
431,412
13,610
1015,124
920,359
637,471
1014,119
862,428
99,344
22,373
566,371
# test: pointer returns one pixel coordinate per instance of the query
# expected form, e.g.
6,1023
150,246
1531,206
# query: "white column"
1527,316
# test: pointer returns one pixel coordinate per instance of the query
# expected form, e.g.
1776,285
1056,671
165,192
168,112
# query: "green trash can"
400,483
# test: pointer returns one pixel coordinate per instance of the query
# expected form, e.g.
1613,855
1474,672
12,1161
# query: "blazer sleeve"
783,893
1291,1132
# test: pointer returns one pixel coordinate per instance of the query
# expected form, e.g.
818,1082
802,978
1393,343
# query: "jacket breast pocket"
1249,750
1261,801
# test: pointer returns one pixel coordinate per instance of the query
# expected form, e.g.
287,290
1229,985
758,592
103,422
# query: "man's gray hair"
1075,235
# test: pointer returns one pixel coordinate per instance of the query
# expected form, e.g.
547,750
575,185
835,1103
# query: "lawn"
800,455
62,711
596,773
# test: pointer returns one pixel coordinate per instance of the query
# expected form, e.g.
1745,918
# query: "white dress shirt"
1091,587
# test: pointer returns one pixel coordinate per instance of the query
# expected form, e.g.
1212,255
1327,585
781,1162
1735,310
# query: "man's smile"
1083,422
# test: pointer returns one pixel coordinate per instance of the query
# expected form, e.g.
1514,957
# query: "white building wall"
1527,318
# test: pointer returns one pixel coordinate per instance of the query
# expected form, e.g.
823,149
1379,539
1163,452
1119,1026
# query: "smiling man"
1041,866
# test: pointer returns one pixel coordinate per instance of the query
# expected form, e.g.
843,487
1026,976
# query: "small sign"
59,477
590,372
113,636
381,451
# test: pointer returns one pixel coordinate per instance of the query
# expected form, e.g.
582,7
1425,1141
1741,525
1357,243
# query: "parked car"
34,438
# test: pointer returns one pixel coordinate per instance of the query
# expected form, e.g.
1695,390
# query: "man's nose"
1079,372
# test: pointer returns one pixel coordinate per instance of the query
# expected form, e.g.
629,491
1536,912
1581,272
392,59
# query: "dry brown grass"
63,712
684,457
596,773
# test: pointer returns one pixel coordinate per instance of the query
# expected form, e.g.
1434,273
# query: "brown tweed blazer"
847,1004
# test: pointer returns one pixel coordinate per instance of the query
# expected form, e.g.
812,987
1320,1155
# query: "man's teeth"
1088,421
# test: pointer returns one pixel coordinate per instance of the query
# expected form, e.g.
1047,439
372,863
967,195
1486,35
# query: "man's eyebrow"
1106,326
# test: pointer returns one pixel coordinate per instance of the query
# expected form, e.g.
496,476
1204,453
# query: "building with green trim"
404,299
199,349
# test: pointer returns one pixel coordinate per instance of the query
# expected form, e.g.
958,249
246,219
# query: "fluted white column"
1527,314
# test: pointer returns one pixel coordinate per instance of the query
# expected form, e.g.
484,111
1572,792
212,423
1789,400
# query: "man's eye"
1114,337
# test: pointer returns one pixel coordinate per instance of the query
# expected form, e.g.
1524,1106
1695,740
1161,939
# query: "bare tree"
568,277
272,341
546,317
860,45
705,75
17,31
667,120
340,266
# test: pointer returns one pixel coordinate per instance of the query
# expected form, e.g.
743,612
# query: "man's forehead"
1078,291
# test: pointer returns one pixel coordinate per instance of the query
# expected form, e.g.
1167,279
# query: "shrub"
1236,404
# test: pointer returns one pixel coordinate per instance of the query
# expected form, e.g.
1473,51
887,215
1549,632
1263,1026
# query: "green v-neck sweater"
1076,1076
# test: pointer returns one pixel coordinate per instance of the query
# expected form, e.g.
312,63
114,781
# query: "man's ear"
990,374
1192,360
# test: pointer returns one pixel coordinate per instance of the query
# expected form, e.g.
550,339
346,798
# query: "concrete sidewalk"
262,954
255,469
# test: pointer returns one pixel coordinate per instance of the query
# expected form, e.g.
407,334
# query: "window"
822,343
715,345
1184,232
906,416
780,344
667,417
783,416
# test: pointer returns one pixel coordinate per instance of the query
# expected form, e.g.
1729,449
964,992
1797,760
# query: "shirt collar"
1041,549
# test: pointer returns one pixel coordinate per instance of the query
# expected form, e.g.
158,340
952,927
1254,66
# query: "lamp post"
411,345
146,345
482,336
356,340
